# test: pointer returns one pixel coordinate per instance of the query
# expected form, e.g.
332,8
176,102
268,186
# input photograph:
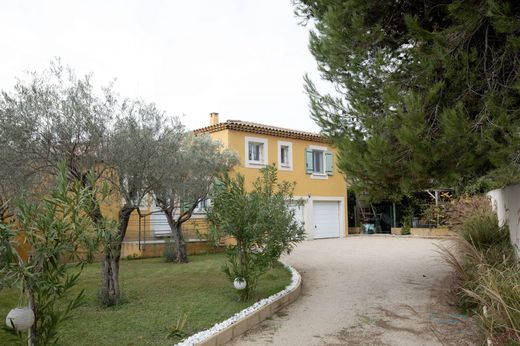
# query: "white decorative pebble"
205,334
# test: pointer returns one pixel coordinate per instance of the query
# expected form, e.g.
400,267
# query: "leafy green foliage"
189,165
260,222
56,230
483,232
428,93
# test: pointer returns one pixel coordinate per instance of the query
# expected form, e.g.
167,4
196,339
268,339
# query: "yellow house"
301,157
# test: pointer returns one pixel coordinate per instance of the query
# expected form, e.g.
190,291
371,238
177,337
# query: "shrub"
484,233
56,228
169,253
406,229
487,271
407,220
498,292
461,209
260,221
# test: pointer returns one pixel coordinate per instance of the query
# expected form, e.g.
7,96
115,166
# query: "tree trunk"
178,239
32,333
244,271
182,253
111,293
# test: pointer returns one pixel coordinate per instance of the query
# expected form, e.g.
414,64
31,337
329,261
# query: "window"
285,156
202,207
255,152
317,161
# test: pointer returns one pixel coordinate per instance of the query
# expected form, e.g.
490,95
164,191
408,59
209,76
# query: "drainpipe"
394,215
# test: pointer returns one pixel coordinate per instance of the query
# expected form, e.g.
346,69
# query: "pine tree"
428,91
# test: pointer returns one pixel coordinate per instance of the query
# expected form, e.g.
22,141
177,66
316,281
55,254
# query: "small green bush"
169,252
483,231
407,220
406,229
260,221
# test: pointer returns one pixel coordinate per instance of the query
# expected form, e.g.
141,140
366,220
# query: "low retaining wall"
425,232
244,320
156,249
354,230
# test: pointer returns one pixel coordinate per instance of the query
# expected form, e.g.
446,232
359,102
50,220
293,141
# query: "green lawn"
157,294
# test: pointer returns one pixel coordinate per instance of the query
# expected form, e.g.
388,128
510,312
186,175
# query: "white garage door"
326,219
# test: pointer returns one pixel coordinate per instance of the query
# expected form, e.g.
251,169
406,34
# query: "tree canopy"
130,147
188,169
428,92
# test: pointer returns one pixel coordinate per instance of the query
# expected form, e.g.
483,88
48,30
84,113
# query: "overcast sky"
242,58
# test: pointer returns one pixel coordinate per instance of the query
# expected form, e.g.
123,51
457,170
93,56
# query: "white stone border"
204,335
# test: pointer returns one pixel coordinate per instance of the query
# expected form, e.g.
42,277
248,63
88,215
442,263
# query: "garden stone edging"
243,320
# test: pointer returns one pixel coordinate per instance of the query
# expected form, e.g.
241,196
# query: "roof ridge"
246,126
271,126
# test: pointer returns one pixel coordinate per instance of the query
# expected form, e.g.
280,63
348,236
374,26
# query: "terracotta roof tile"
244,126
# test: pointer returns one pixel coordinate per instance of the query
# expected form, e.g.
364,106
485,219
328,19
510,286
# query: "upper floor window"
318,162
256,152
285,155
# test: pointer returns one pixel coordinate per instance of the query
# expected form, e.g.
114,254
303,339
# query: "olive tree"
48,118
55,116
259,220
134,157
188,169
51,117
13,175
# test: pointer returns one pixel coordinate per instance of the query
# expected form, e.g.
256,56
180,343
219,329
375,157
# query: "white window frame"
201,208
316,175
251,163
289,165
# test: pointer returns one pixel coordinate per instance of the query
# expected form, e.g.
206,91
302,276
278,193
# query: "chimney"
213,118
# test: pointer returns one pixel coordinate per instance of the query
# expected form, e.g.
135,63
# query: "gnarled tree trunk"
178,238
111,294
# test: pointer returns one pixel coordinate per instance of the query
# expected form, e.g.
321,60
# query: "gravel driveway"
368,290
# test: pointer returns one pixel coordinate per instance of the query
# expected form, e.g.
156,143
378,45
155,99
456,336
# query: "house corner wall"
506,203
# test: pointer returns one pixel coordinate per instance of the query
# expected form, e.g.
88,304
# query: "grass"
488,275
159,297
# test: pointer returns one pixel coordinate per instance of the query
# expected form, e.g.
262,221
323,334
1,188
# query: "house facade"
301,157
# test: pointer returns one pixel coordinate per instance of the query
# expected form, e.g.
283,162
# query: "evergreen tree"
428,92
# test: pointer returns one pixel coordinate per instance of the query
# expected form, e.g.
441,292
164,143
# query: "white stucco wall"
506,202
